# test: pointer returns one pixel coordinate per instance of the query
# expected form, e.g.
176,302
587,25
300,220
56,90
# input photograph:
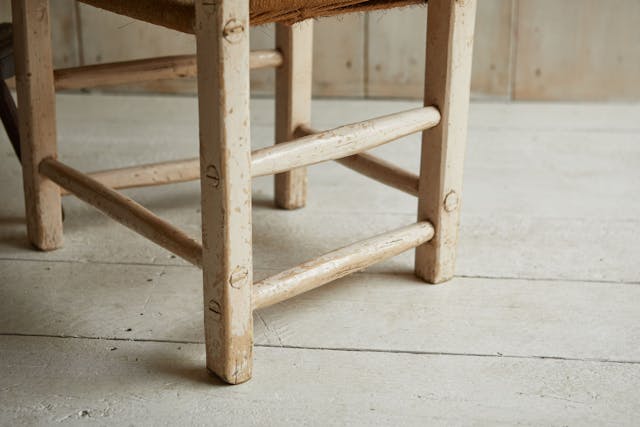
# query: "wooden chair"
227,164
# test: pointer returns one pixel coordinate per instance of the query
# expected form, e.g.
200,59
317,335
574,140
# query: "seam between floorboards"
337,349
459,276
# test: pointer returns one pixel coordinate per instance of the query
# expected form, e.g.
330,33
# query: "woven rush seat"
179,14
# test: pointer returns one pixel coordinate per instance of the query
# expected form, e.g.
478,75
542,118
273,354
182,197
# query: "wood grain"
584,50
143,70
293,104
124,210
338,263
375,168
37,120
447,79
342,142
222,34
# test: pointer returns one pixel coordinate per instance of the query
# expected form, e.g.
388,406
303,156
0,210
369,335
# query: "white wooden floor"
541,327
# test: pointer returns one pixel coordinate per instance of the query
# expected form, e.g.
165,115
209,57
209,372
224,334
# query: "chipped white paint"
450,30
222,33
124,210
343,141
293,104
339,263
34,82
144,70
545,150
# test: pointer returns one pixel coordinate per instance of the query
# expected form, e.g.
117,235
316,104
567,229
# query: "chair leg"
222,35
293,104
450,30
37,120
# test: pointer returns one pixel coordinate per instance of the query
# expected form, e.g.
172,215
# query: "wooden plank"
148,175
142,70
37,120
382,171
493,57
546,151
447,78
107,37
395,51
293,104
388,312
222,34
124,210
338,263
64,34
339,59
584,50
395,66
342,142
375,168
73,375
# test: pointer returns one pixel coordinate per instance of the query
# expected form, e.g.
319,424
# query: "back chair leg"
37,120
222,34
450,30
293,104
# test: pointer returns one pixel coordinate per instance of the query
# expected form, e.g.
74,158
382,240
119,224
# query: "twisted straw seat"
179,14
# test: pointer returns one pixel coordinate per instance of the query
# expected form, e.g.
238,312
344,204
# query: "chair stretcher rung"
342,142
124,210
141,70
339,263
375,168
148,175
189,170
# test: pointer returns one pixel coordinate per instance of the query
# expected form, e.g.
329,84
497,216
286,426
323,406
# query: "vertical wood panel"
338,56
578,50
64,36
108,37
396,51
395,46
491,74
569,50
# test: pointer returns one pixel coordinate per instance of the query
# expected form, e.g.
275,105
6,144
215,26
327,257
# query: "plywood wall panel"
578,50
495,34
64,34
524,49
339,55
107,37
396,41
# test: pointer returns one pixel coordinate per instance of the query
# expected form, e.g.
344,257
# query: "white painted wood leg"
293,104
222,33
37,120
450,30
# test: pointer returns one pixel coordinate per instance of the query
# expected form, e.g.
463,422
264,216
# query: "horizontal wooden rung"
141,70
147,175
375,168
123,210
342,142
339,263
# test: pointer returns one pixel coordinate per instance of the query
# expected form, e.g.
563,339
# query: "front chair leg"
293,104
222,34
447,86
